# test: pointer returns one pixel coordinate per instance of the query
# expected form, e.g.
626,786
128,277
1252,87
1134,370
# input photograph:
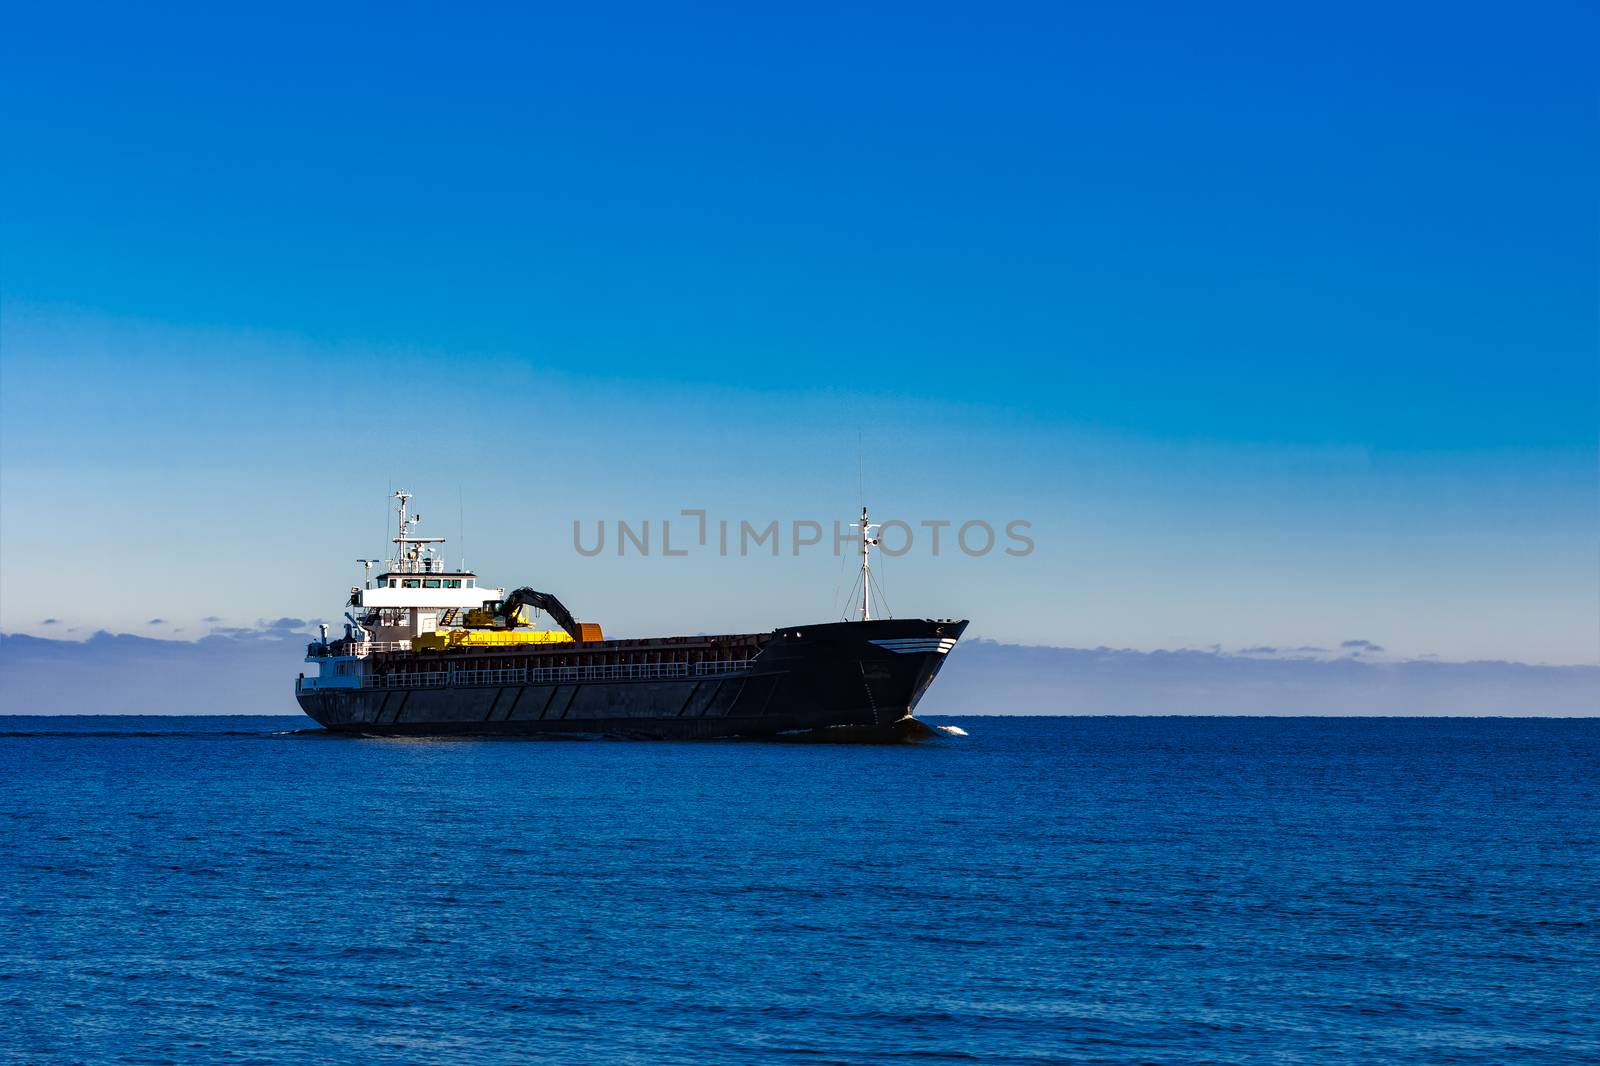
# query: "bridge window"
452,583
410,583
431,583
394,584
471,581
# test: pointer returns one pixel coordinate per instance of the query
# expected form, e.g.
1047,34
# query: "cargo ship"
428,650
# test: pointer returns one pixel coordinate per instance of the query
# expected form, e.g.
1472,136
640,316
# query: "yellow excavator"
498,623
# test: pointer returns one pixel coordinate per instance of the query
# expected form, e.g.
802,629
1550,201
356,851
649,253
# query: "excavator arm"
543,601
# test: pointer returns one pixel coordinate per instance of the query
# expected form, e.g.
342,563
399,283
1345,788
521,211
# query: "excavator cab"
492,615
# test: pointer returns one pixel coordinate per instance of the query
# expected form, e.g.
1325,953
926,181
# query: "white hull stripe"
921,645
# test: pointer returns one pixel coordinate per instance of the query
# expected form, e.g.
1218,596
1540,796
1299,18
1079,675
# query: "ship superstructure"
427,649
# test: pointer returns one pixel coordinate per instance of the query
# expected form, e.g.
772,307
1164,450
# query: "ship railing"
416,566
723,666
488,677
555,674
612,672
431,679
369,647
359,648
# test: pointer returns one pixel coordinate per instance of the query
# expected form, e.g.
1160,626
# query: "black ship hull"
843,680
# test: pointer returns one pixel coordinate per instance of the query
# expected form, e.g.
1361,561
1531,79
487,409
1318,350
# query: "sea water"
1038,890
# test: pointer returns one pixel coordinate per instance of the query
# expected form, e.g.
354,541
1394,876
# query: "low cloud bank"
245,671
983,677
251,671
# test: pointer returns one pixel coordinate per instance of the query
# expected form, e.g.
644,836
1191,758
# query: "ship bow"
860,674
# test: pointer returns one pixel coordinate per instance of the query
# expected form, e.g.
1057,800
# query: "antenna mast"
405,523
868,542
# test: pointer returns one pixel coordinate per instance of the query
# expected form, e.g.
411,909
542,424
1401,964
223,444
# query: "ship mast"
868,541
405,522
413,554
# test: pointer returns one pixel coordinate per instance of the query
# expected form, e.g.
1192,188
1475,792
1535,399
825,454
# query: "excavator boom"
543,601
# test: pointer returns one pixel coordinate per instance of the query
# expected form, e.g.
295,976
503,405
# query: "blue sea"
1041,890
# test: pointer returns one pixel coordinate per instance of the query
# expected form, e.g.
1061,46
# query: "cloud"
984,677
251,671
267,629
211,618
133,674
1359,646
1260,650
156,622
51,622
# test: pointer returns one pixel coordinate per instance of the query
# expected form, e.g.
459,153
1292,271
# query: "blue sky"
1279,325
